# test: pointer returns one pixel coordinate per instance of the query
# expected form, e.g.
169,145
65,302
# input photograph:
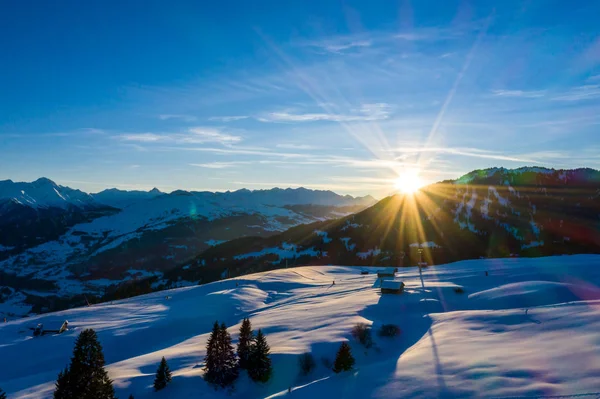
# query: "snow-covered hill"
526,328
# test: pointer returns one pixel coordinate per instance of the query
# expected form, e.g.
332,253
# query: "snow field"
480,343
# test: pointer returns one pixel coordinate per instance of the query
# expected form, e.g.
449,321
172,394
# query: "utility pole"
421,266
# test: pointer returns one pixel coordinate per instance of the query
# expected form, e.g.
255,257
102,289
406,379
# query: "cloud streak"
197,135
232,118
219,165
366,112
580,93
292,146
340,45
519,93
186,118
467,152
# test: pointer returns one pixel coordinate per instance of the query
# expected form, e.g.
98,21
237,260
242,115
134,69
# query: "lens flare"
408,182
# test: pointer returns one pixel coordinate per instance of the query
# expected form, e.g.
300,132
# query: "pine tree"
221,366
211,360
2,394
245,343
344,360
259,362
230,364
85,378
163,375
63,388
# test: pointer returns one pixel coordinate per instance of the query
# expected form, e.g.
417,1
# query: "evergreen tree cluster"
253,355
85,377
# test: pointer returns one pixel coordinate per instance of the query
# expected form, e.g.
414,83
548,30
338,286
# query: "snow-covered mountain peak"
44,193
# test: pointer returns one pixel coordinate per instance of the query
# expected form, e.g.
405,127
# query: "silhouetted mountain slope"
487,213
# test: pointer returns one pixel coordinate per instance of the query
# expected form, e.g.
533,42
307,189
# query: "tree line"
85,377
223,363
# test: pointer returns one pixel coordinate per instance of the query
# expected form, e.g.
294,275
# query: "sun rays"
408,182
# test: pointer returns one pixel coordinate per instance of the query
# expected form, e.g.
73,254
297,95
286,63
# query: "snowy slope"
480,343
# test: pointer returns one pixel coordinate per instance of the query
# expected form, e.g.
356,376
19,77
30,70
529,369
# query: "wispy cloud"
186,118
142,137
467,152
411,37
580,93
292,146
519,93
234,150
228,118
340,45
203,135
197,135
219,165
366,112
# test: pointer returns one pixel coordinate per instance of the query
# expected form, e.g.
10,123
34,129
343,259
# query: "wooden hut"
393,286
386,273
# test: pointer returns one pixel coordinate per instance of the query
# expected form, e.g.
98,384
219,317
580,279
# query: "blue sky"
341,95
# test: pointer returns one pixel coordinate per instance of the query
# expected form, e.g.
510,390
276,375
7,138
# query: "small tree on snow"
307,363
259,363
362,333
2,394
245,343
163,375
344,360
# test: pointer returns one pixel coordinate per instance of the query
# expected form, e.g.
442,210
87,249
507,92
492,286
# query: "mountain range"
59,245
57,242
486,213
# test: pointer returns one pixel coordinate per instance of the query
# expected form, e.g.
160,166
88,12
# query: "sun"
408,182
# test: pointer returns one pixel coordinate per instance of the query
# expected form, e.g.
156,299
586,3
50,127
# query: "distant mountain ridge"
122,198
69,242
44,193
494,212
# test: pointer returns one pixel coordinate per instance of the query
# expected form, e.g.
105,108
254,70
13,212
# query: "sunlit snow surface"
480,343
